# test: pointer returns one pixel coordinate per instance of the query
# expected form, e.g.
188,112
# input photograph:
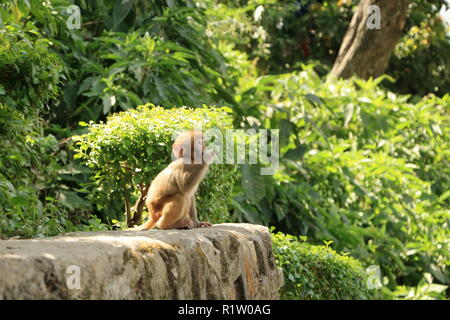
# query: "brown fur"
171,196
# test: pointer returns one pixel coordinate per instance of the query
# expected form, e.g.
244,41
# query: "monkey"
171,197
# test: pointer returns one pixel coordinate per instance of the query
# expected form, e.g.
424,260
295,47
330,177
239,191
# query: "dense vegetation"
288,33
318,272
364,166
30,75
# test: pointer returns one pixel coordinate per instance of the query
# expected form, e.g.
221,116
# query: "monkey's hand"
202,224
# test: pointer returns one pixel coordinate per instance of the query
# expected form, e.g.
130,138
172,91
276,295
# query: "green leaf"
109,101
313,98
297,153
253,183
121,9
349,109
286,128
444,196
96,85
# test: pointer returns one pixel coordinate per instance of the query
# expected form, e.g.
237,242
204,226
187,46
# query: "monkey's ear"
178,150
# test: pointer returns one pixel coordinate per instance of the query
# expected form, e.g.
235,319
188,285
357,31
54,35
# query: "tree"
365,52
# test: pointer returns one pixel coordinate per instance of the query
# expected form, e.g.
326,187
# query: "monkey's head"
190,145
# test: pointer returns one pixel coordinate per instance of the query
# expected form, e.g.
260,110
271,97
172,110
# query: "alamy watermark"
374,277
374,17
73,277
74,20
236,146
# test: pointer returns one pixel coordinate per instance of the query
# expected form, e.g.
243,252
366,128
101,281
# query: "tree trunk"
137,211
366,52
128,210
138,207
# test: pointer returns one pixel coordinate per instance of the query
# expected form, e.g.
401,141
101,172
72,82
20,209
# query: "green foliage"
32,202
130,53
27,171
238,25
280,34
361,167
29,74
287,34
124,55
425,290
317,272
132,147
420,61
141,69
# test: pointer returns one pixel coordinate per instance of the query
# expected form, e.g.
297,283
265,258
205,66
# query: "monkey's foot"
203,224
184,223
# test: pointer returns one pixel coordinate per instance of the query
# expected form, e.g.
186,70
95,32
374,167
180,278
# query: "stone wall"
226,261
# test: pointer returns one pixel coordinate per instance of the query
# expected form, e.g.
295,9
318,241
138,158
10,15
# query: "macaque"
171,196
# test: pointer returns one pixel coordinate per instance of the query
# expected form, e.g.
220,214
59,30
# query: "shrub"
29,73
317,272
129,52
27,171
360,166
132,147
29,77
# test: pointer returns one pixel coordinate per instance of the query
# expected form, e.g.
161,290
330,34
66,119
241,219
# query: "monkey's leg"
175,215
193,215
151,220
149,224
153,217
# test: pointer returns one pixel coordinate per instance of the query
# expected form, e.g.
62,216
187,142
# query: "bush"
317,272
29,73
36,195
129,52
27,172
361,167
132,147
29,77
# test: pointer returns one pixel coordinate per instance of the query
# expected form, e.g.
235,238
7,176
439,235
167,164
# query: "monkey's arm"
194,217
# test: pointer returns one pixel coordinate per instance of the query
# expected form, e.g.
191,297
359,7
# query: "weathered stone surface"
226,261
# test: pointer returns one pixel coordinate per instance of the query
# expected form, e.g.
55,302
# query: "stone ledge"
226,261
